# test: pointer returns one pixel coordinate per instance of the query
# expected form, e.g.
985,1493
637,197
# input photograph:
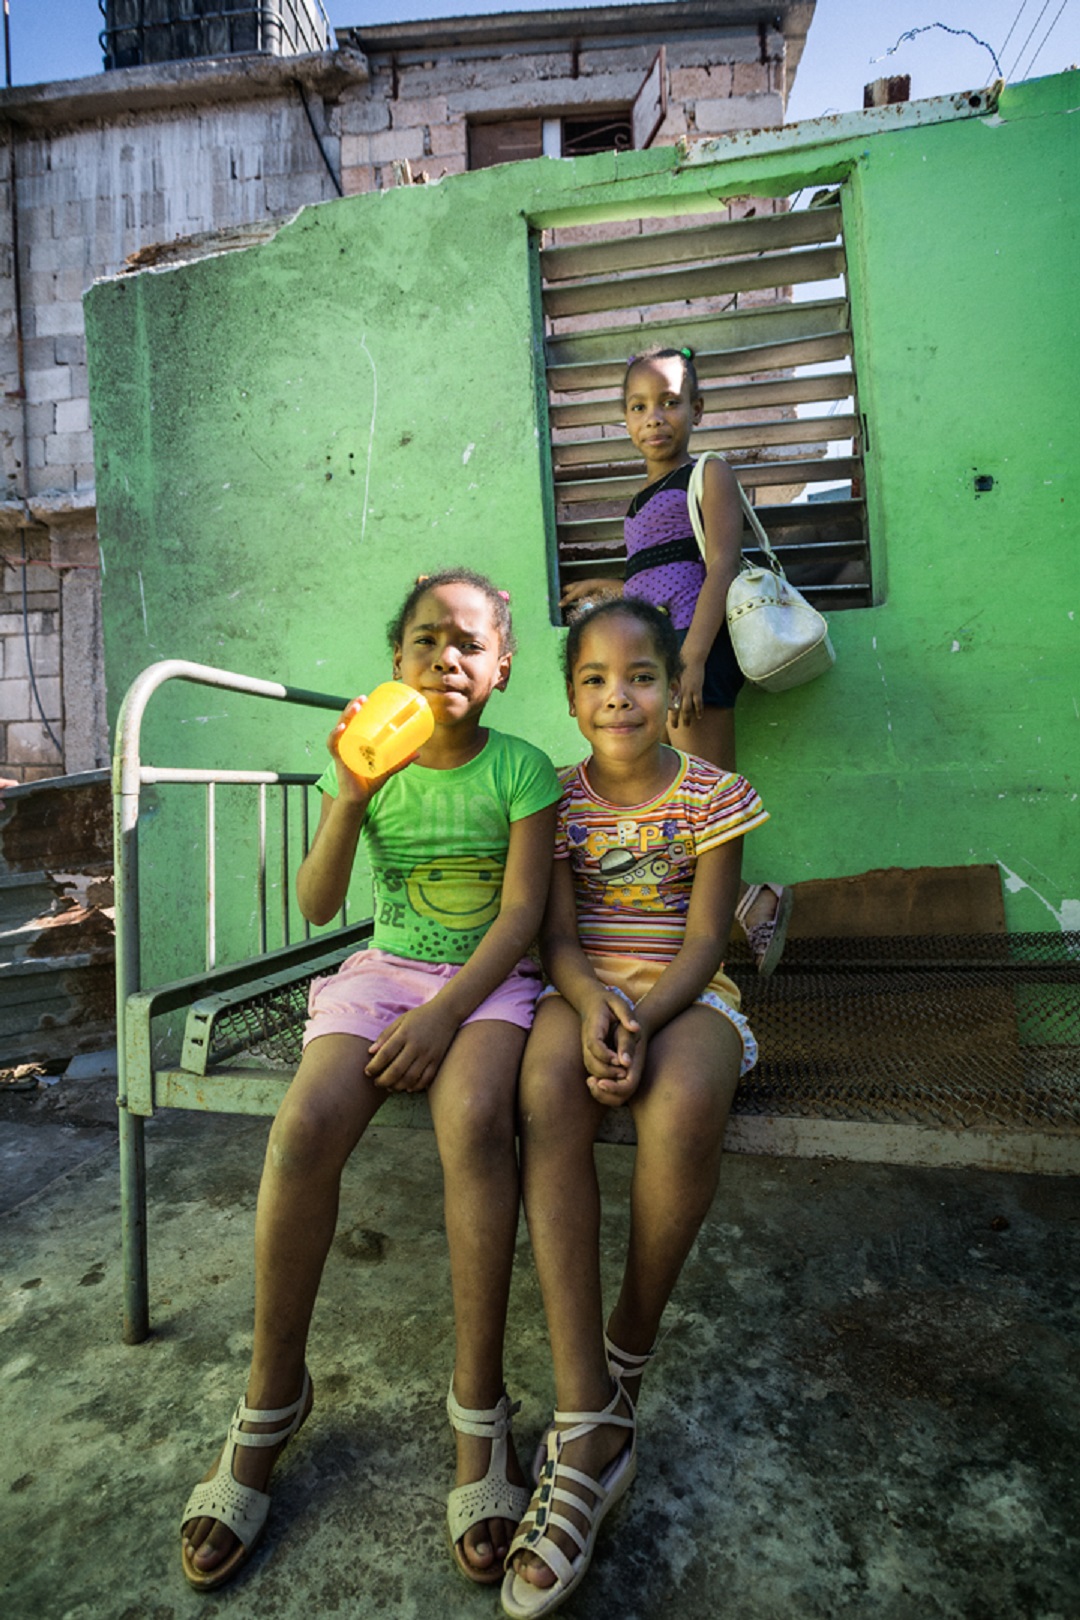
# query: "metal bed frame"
950,1049
143,1087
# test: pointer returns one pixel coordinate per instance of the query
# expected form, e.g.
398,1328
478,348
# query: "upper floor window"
759,292
575,134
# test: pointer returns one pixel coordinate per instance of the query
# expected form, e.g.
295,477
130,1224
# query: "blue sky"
847,46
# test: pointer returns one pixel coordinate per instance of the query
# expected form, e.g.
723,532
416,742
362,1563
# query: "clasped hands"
613,1044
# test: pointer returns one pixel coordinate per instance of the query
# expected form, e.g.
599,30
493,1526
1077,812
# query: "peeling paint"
1067,915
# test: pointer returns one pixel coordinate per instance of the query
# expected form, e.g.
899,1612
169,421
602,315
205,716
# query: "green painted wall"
287,435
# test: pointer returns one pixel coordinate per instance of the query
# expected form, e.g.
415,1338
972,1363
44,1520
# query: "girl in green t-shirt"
441,1003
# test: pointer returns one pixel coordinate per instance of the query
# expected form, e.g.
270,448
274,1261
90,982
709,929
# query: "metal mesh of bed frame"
947,1030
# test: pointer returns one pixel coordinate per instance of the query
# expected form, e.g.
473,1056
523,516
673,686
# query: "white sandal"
492,1497
766,939
623,1364
521,1600
241,1508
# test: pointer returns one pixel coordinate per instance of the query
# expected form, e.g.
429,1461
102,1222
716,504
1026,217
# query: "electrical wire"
319,141
1033,59
946,28
1012,26
1027,42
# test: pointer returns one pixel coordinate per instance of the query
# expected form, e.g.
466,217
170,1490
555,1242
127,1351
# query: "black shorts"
723,677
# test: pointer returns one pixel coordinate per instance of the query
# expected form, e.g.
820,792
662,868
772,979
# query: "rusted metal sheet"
62,825
57,951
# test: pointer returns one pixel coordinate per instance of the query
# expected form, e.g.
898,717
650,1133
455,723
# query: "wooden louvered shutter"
776,374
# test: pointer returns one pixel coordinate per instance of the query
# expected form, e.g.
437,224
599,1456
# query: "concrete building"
139,166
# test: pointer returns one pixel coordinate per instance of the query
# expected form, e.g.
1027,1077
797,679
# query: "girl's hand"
359,789
583,588
614,1091
688,704
605,1021
409,1053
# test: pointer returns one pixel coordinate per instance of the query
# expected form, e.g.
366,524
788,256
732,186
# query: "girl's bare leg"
679,1114
712,737
562,1206
473,1111
325,1111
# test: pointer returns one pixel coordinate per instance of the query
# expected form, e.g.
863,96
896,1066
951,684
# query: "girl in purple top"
664,566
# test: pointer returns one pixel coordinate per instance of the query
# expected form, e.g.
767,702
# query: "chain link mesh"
953,1030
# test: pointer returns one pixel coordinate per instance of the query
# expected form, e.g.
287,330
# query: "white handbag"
779,639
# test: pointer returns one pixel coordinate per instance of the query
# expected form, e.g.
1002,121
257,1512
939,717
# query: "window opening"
759,293
511,139
505,140
613,133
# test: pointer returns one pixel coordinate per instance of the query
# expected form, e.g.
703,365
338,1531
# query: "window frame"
582,370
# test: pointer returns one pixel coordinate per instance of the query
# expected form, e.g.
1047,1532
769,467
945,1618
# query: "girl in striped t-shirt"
639,1013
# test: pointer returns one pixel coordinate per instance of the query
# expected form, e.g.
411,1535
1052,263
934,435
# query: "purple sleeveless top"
658,522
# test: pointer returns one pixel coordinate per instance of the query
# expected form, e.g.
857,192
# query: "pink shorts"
373,987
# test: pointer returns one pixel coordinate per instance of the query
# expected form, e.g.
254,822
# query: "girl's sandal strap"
626,1363
241,1508
494,1496
289,1417
546,1512
490,1424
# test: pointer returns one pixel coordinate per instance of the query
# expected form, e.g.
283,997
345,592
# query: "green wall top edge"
839,127
681,179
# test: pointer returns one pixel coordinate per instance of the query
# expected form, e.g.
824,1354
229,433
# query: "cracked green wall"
287,435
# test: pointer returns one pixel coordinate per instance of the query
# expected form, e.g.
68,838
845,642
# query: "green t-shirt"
437,843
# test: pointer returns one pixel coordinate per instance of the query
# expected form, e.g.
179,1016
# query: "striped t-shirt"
633,866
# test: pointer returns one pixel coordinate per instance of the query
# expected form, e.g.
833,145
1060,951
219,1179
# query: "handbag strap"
693,498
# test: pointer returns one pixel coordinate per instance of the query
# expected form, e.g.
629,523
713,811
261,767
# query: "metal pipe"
305,839
283,875
211,874
133,1221
262,869
128,776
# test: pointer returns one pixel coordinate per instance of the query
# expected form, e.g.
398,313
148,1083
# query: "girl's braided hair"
658,352
659,625
498,601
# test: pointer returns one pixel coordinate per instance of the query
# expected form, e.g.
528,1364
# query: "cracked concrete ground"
867,1403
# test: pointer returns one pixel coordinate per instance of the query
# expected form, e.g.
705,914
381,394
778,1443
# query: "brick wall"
29,658
88,179
421,98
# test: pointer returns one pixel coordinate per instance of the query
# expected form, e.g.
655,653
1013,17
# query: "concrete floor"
867,1403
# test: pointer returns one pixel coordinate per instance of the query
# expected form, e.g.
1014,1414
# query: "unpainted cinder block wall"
155,164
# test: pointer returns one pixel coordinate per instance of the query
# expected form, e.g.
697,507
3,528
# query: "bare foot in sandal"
763,913
602,1450
226,1512
486,1504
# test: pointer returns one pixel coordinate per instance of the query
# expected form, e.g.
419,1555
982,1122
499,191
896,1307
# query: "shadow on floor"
866,1403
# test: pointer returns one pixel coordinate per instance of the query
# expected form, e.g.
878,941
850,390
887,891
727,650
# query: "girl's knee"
688,1115
479,1125
555,1103
305,1138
